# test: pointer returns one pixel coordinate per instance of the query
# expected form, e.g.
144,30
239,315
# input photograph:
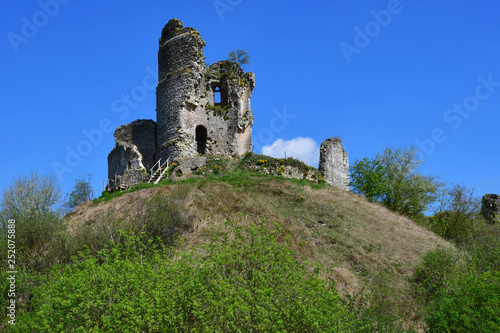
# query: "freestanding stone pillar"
334,163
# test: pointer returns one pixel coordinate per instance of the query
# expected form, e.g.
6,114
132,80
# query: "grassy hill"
359,245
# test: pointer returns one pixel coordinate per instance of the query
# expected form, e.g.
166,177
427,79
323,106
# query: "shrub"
245,283
433,275
462,293
484,248
471,304
31,201
452,226
456,215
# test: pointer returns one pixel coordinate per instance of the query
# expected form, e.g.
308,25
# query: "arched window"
217,96
129,165
201,139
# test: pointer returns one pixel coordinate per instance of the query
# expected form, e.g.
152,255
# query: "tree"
456,213
32,195
82,191
408,192
391,178
368,178
240,57
31,201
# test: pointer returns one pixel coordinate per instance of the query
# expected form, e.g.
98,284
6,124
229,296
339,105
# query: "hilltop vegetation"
231,249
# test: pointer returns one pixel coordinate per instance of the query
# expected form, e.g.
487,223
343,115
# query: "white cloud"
304,149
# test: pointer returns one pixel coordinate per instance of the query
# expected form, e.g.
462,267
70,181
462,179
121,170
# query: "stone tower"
199,111
334,163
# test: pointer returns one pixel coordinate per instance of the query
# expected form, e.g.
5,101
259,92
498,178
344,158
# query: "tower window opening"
201,139
217,96
129,165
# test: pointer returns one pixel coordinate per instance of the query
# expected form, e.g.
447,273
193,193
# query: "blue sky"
377,74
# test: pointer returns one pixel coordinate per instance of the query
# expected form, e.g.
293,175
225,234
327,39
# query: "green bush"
247,282
161,218
433,275
456,214
471,304
461,292
452,226
484,247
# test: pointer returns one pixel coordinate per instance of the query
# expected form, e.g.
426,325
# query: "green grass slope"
360,245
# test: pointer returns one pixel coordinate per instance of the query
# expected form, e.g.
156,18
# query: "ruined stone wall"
135,149
287,171
199,111
334,164
190,120
229,122
490,208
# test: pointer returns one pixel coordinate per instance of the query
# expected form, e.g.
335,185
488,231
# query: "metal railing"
152,171
157,169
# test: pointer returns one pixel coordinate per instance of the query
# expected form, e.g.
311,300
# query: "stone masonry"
334,163
133,154
200,111
490,207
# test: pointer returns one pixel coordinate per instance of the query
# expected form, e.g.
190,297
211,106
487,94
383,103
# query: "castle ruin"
490,207
334,163
200,111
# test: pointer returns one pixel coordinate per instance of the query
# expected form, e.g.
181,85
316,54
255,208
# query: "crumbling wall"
334,163
134,152
191,120
230,121
199,111
490,208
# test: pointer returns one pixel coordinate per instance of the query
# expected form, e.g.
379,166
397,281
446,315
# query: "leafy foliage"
457,214
249,282
408,192
460,291
368,177
31,200
392,179
32,195
471,304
